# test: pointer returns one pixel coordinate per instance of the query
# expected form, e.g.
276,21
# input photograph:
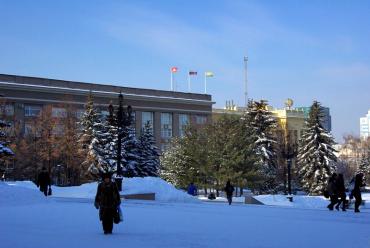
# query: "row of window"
147,117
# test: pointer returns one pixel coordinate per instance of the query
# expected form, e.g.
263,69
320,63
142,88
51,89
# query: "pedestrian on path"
229,189
43,181
341,189
332,191
356,192
107,200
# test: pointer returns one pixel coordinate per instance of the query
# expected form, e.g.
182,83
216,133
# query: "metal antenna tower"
246,80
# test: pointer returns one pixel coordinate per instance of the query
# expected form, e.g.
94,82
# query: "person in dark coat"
43,181
341,190
332,190
229,189
356,192
107,200
192,189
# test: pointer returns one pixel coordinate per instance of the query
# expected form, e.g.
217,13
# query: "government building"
168,112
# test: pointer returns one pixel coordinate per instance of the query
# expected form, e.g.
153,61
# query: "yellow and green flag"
209,74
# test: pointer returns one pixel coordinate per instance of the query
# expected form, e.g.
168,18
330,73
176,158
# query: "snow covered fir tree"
262,123
149,164
89,118
364,166
131,154
316,160
4,149
139,157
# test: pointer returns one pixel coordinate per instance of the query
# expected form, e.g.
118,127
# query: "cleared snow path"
75,224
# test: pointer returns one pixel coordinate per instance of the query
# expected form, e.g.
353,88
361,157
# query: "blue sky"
305,50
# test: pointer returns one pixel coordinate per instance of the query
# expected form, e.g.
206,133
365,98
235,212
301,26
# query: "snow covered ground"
28,219
164,192
299,201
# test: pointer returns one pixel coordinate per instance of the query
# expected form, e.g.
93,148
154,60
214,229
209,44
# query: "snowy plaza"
28,219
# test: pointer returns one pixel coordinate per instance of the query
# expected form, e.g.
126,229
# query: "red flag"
174,69
193,73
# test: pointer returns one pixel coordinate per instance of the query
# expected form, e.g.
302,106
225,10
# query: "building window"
145,118
166,125
59,112
32,110
183,123
30,129
7,109
200,119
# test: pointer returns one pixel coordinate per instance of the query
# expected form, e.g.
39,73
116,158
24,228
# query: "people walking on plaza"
356,192
43,181
332,191
192,189
229,189
341,190
107,200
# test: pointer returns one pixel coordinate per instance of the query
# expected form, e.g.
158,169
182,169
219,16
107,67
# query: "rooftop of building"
28,81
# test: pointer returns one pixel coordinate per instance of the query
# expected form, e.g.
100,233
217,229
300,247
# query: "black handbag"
50,192
116,217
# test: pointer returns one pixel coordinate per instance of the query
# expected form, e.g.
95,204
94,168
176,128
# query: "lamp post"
288,153
123,121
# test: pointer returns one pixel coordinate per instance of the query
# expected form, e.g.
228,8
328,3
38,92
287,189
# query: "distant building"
291,121
325,120
365,126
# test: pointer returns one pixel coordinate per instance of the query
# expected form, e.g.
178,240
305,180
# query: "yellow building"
291,122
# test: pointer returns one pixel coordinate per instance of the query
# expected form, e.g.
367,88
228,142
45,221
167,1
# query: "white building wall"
365,126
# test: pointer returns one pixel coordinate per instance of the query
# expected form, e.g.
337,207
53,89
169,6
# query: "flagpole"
205,83
189,88
246,80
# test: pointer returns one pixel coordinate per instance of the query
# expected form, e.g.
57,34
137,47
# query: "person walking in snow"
341,190
356,192
332,190
107,200
229,189
43,181
192,189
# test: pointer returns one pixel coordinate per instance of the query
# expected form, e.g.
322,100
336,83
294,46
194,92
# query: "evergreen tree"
243,159
316,159
262,123
89,118
364,166
111,138
4,149
174,164
149,164
131,155
100,156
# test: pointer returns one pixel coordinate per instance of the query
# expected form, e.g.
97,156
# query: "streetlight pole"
288,153
289,163
119,141
123,122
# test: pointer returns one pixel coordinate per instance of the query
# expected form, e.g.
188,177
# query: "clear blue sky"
305,50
